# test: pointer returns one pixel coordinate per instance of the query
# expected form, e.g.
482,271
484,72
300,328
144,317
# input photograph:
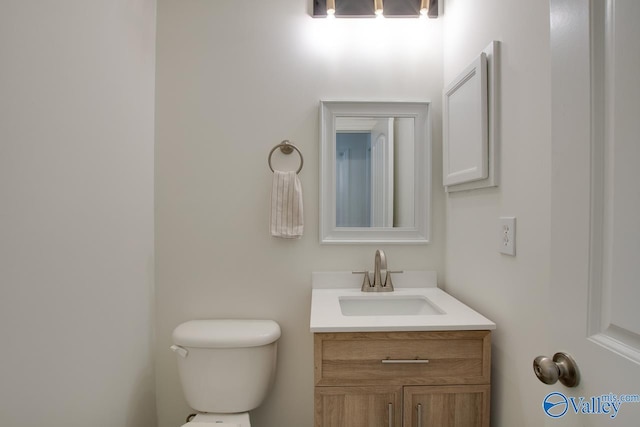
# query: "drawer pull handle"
419,415
390,414
405,361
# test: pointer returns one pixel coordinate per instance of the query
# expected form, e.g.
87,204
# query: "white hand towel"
286,205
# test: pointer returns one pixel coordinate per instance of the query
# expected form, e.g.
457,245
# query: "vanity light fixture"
331,8
377,7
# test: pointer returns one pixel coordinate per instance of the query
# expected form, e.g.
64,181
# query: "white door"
382,151
594,293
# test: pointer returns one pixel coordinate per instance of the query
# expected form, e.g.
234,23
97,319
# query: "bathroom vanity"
402,368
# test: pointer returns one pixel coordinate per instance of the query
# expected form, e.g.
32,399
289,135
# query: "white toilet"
226,367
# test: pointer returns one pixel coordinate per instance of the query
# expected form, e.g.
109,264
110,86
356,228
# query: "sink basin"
416,304
388,305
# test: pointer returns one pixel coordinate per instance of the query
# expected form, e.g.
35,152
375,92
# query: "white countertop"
326,315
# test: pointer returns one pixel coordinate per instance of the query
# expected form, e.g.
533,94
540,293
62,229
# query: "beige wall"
234,78
76,213
511,291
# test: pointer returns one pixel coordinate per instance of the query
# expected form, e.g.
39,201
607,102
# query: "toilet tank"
226,365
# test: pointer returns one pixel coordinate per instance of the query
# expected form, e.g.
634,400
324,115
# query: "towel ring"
287,148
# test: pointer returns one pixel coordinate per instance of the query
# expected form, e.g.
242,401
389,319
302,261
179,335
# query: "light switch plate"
507,232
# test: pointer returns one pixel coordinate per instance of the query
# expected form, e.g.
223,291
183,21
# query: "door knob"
562,367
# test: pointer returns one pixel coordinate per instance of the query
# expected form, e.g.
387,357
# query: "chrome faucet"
380,269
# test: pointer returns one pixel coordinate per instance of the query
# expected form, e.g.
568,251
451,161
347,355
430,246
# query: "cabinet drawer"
402,358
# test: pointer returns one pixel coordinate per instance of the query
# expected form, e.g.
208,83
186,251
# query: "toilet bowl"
226,368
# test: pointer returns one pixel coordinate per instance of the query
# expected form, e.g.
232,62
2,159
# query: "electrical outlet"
507,233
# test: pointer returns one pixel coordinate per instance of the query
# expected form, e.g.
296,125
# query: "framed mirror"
375,172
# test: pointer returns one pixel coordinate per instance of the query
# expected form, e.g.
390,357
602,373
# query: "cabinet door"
358,406
446,406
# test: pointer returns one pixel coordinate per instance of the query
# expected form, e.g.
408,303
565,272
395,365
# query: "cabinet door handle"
406,361
390,414
419,407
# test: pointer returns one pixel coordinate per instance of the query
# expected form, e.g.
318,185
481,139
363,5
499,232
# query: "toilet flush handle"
180,350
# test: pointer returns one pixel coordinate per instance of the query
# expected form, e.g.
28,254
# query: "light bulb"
424,7
331,8
377,7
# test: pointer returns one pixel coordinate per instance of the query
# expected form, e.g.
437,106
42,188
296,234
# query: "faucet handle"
366,282
387,280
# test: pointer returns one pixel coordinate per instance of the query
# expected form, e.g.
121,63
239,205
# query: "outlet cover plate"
507,233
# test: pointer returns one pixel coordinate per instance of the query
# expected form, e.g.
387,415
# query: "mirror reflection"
374,171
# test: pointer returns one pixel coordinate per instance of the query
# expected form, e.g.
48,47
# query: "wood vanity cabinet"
402,379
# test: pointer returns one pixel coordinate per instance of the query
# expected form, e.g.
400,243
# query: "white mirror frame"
419,233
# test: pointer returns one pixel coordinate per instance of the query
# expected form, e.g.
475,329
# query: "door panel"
615,244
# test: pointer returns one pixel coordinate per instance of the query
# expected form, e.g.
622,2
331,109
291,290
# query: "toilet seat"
220,420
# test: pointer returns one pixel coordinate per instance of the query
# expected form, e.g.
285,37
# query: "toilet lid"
226,333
